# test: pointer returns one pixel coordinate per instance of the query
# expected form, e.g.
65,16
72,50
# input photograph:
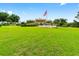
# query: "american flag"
45,13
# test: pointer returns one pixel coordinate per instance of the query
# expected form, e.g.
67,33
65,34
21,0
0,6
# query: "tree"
30,21
75,23
23,24
77,16
49,22
14,18
60,22
63,21
56,22
3,16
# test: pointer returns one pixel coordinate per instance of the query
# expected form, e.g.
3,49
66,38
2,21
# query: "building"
44,23
40,21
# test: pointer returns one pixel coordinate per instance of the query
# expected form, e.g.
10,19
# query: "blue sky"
28,11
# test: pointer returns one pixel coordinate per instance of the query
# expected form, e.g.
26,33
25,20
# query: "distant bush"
0,25
60,22
18,24
73,24
32,24
30,21
5,24
23,24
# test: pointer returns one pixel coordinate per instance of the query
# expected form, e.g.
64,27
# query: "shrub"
32,24
30,21
4,23
23,24
0,25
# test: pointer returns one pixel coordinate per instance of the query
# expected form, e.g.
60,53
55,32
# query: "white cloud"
2,10
62,4
8,11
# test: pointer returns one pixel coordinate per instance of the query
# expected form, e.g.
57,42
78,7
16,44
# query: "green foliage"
70,25
49,22
3,16
73,24
60,22
32,25
0,25
14,18
4,23
77,16
30,21
9,19
56,22
23,24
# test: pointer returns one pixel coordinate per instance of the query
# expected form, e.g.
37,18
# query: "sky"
31,11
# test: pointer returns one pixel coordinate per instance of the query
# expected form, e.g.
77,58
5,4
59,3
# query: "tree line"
5,17
14,19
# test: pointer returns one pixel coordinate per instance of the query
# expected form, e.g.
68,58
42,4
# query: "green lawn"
34,41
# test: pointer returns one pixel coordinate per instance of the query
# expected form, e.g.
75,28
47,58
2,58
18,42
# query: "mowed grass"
34,41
